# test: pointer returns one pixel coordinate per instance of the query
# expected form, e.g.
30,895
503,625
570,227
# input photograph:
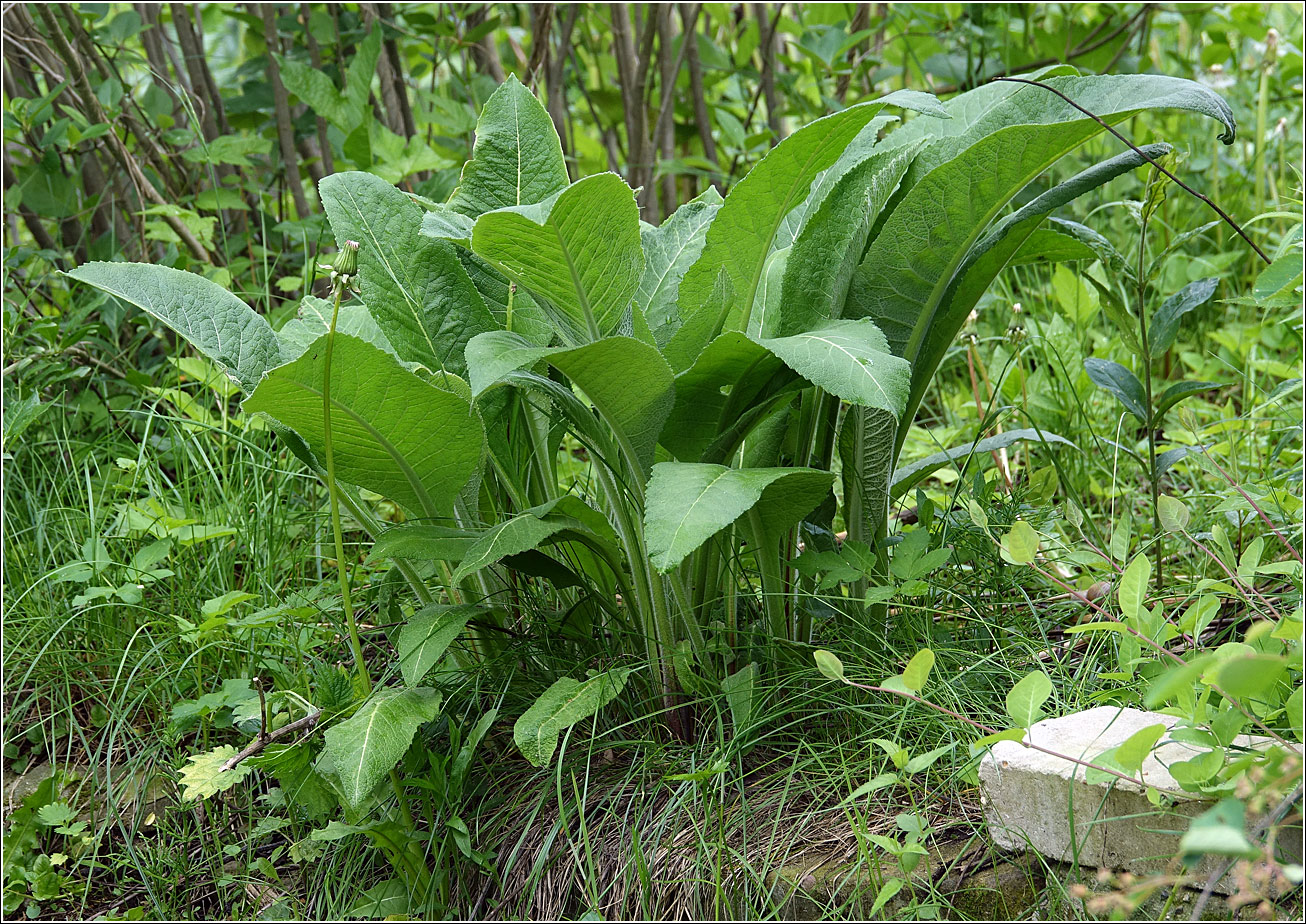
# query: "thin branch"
261,741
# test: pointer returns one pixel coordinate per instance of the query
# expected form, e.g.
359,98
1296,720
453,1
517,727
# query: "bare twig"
261,741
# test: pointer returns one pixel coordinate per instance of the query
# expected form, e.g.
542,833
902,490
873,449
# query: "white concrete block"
1033,799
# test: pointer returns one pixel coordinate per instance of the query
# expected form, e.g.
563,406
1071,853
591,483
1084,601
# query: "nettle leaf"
1122,383
415,287
1165,323
367,745
908,476
215,322
561,706
393,433
669,250
203,775
627,380
741,236
689,502
427,636
579,249
517,159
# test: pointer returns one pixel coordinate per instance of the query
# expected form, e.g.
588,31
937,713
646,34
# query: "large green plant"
710,367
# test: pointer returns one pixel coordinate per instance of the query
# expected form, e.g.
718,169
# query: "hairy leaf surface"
580,250
689,502
214,321
561,706
367,745
393,433
517,159
413,285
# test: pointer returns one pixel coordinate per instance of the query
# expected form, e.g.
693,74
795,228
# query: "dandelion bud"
347,260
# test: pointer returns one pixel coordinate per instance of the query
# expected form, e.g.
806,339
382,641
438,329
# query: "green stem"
360,664
768,566
1150,423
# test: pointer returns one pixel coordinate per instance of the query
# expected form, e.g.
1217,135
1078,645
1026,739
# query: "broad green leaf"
865,453
766,310
908,476
1025,700
1133,586
1252,676
422,542
1178,392
828,250
925,761
517,159
1219,831
669,250
848,359
741,236
579,249
393,433
414,286
1006,243
366,746
203,775
530,529
627,380
828,663
1173,512
390,899
997,105
1164,326
738,688
347,109
701,392
917,671
1011,734
214,321
999,140
891,887
1294,709
314,319
1284,271
1131,752
689,502
1122,383
561,706
429,632
1020,544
